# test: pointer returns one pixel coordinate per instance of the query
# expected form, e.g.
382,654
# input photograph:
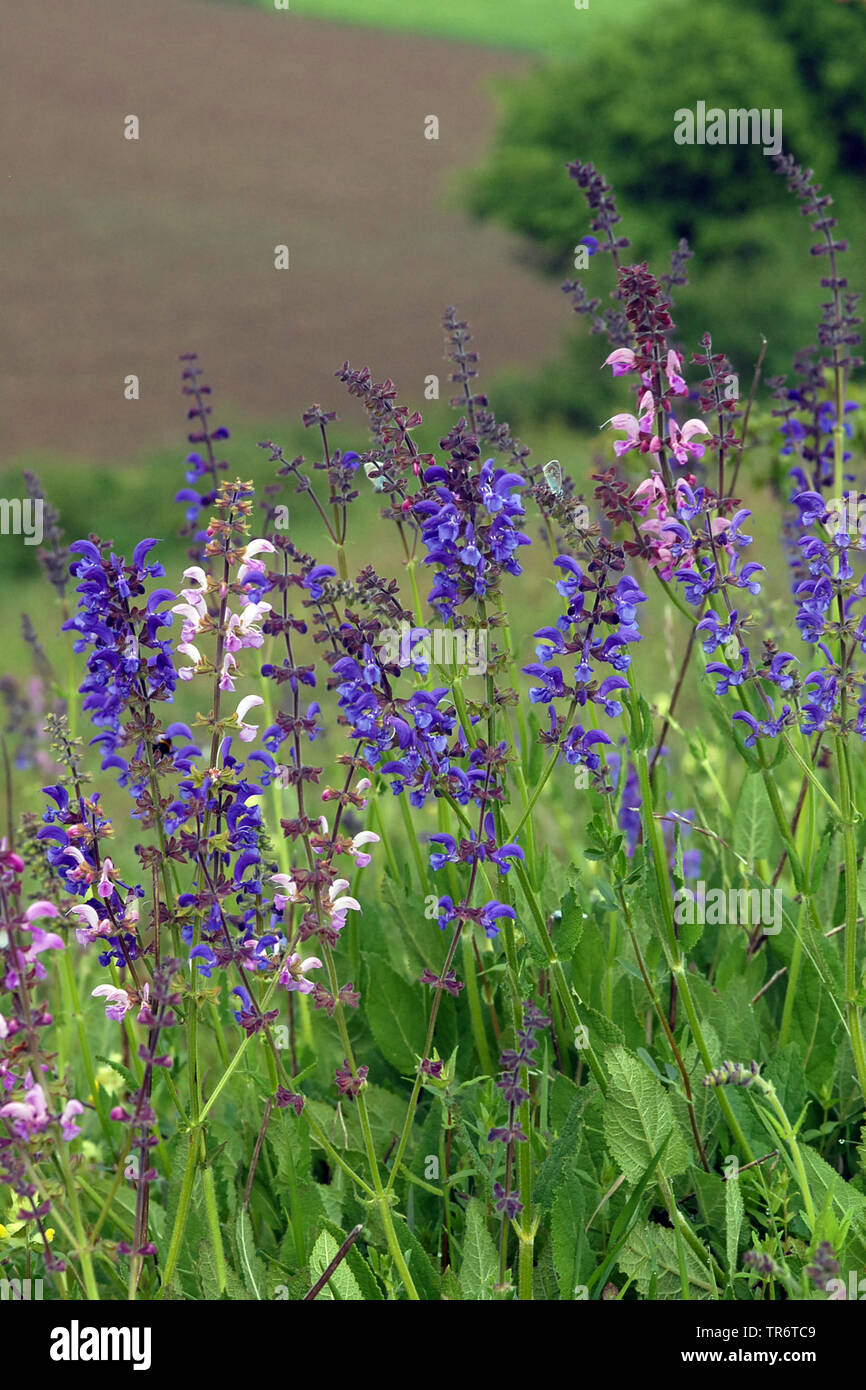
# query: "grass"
535,26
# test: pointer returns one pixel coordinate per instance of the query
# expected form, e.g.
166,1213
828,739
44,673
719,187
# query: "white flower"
341,904
366,837
192,620
289,892
186,673
118,1003
94,928
248,731
249,564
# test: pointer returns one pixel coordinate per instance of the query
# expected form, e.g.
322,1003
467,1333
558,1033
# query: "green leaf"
824,1180
424,1276
394,1013
638,1115
651,1251
354,1260
208,1278
342,1284
753,821
734,1214
451,1290
121,1071
479,1268
626,1219
567,934
561,1153
250,1265
571,1249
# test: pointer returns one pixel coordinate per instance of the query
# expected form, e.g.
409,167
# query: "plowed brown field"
256,129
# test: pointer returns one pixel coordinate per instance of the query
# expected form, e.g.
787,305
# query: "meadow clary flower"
638,431
250,565
248,731
292,976
289,893
186,673
364,837
673,368
94,928
118,1001
683,440
622,360
28,1116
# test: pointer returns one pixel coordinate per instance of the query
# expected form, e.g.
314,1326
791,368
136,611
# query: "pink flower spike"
196,573
342,905
87,912
651,491
29,1115
186,673
249,565
145,1016
226,681
622,360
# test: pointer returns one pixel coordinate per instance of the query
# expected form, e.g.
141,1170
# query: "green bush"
725,199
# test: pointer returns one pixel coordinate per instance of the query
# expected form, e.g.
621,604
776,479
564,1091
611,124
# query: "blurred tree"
615,105
828,41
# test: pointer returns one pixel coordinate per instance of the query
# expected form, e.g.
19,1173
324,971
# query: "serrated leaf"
650,1256
561,1153
734,1213
342,1284
638,1115
250,1265
479,1267
367,1282
567,934
753,821
395,1014
123,1072
571,1250
846,1200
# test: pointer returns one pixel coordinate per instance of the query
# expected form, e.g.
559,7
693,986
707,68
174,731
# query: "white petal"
248,703
346,904
366,837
